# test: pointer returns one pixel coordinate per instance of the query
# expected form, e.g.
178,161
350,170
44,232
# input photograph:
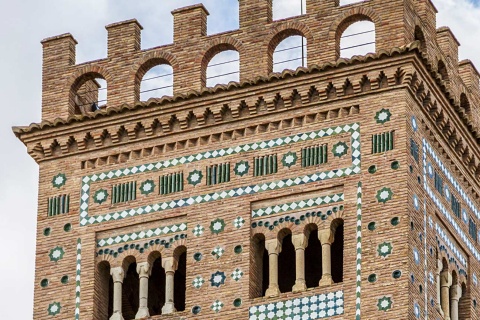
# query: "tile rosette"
385,249
384,195
195,177
217,226
383,116
289,159
147,187
241,168
59,180
217,279
54,308
56,254
384,303
100,196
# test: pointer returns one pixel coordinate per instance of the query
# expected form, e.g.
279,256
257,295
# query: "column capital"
446,278
170,264
299,241
273,246
456,292
326,236
144,270
117,274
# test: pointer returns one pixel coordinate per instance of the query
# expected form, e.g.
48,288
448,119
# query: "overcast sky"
24,23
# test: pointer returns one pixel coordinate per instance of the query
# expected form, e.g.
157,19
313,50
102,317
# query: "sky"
23,24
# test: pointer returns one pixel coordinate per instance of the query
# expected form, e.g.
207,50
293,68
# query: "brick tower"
346,189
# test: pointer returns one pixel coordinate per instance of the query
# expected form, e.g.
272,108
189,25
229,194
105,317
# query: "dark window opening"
337,255
286,265
456,208
180,278
438,183
156,288
472,229
313,260
130,292
103,308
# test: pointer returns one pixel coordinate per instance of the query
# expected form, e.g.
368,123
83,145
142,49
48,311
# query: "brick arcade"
345,189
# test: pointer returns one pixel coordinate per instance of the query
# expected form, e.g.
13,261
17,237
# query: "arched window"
288,8
88,93
259,275
156,285
291,53
130,289
103,308
286,262
180,278
358,39
157,82
313,257
223,68
337,252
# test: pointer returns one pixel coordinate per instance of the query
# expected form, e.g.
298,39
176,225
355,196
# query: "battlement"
255,41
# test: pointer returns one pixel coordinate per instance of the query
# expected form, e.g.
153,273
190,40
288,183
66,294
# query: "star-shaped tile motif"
289,159
217,226
340,149
147,187
384,249
241,168
56,254
100,196
384,303
195,177
54,308
217,279
383,116
384,195
59,180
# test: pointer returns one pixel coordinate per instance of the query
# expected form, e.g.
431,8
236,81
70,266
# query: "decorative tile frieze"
353,129
78,275
442,235
142,234
319,306
358,263
295,205
141,246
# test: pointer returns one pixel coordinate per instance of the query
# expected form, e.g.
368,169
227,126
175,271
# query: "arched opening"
130,288
88,93
358,37
287,8
223,68
464,103
180,278
313,257
103,307
286,262
290,53
157,82
259,273
156,285
442,69
337,251
419,36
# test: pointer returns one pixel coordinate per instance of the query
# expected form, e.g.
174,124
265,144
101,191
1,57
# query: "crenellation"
124,38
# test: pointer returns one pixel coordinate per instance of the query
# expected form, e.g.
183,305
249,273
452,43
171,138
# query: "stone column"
445,283
437,276
170,265
326,239
300,242
143,270
274,247
455,295
117,274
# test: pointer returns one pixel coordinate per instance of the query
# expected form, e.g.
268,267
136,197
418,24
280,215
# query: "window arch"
285,8
357,38
103,308
290,53
223,67
286,262
88,93
260,273
157,82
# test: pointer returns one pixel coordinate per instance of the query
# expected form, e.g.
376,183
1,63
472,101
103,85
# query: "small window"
265,165
383,142
438,182
218,173
171,183
58,205
414,150
472,229
456,208
313,156
124,192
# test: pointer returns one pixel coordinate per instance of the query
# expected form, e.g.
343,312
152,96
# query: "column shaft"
117,274
274,248
143,270
326,239
170,265
455,295
300,242
445,283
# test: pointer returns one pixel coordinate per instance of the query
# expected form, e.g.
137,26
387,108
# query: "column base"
299,286
272,291
142,313
117,316
326,281
169,307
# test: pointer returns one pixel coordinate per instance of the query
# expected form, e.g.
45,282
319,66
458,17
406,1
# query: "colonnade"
144,270
448,293
300,242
